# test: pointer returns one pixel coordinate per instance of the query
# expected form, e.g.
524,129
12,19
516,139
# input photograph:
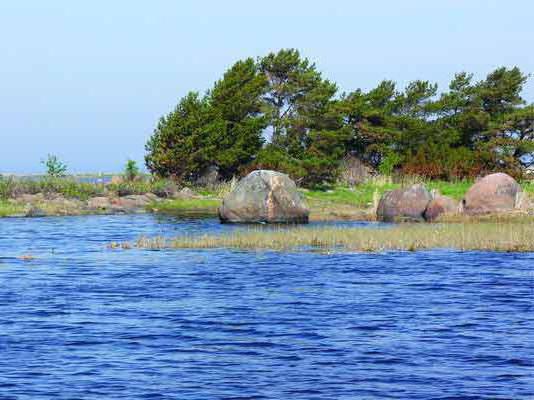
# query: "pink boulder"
494,193
401,205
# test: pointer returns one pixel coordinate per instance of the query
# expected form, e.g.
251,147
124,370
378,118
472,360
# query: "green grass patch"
360,196
456,190
365,194
8,209
528,186
199,207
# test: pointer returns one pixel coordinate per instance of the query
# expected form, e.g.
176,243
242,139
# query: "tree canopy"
279,112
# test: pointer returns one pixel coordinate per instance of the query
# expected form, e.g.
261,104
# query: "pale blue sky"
88,80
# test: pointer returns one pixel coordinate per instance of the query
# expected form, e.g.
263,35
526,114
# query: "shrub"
54,167
160,187
131,170
433,161
389,162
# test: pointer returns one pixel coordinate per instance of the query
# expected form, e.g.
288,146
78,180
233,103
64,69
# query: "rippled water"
84,322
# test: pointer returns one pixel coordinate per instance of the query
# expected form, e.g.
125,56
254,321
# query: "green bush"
131,170
472,128
54,167
388,164
273,158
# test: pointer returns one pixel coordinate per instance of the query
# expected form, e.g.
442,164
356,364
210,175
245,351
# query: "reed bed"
408,237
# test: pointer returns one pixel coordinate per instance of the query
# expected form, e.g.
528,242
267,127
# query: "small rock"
152,197
36,212
440,205
130,204
30,198
99,203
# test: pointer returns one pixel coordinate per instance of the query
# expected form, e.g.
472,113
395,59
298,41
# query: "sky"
87,81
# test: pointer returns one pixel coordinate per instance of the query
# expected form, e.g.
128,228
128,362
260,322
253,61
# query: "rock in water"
401,205
494,193
264,197
440,205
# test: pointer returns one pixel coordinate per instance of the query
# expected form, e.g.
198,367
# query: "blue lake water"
81,321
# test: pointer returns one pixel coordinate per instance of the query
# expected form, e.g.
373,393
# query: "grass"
12,188
70,188
528,186
218,190
364,195
340,203
204,206
408,237
8,209
456,190
361,196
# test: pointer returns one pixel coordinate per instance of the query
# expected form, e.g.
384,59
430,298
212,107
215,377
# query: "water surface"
82,321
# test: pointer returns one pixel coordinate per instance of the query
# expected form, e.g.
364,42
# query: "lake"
84,321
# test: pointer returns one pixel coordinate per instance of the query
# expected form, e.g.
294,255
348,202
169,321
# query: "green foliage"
54,167
180,147
388,163
274,158
296,100
454,189
8,209
131,170
361,196
236,102
475,127
223,128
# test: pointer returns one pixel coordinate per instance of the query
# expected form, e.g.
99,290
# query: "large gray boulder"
494,193
404,205
264,197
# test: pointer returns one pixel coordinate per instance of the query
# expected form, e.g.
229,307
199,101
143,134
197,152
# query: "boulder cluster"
495,193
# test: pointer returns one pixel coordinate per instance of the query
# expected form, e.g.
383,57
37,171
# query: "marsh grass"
408,237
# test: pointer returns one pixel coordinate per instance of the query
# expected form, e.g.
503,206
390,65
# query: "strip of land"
60,197
508,237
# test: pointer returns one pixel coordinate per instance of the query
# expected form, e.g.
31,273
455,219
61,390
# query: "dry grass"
321,211
410,237
512,217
